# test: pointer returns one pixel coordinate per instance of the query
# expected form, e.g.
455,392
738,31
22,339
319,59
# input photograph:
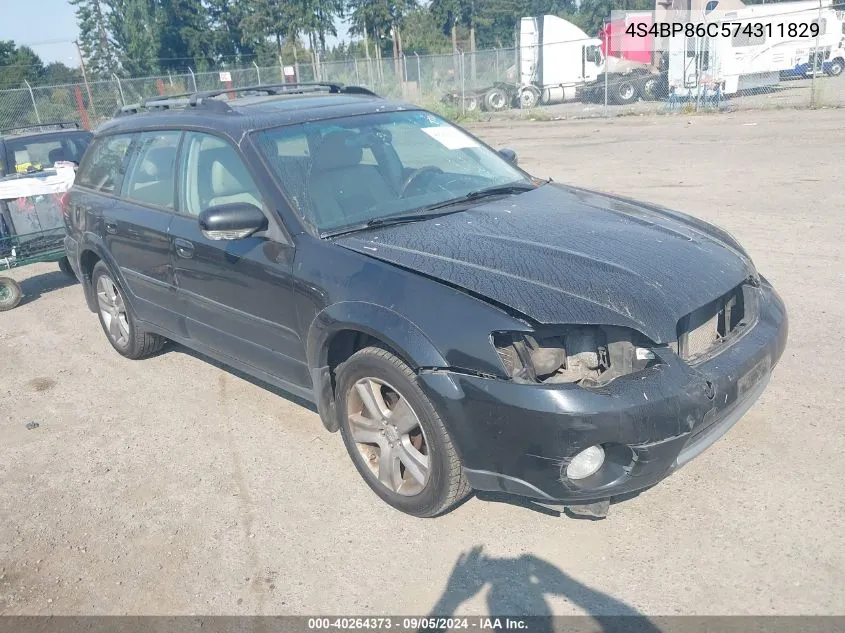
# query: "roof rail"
206,100
171,103
287,88
60,124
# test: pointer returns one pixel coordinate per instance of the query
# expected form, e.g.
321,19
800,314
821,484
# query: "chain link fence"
461,83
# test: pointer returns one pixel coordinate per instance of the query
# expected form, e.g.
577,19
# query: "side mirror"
232,221
509,155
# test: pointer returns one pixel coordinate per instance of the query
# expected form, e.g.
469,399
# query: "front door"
236,294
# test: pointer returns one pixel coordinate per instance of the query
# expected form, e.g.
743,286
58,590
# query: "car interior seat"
223,179
342,190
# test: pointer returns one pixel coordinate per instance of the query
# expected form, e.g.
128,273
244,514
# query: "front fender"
405,338
394,329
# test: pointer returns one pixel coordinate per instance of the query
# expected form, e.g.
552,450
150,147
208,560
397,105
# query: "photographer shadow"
518,588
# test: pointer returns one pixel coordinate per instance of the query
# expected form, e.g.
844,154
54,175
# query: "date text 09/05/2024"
724,29
428,623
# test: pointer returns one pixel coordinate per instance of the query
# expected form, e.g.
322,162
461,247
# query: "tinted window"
105,164
44,152
151,177
213,174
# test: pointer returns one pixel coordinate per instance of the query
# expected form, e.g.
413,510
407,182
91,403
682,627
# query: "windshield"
347,172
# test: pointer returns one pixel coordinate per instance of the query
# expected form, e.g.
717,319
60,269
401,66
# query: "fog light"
586,463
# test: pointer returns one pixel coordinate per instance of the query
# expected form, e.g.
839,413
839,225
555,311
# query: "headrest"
337,149
56,155
159,163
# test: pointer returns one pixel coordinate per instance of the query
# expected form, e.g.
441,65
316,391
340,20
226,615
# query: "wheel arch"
342,329
91,251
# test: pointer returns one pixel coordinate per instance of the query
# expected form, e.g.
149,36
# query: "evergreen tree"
95,37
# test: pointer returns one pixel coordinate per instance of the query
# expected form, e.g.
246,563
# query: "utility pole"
85,79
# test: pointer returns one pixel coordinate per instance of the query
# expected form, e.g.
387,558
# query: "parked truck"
556,61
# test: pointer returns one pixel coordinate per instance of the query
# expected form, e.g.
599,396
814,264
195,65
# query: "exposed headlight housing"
573,354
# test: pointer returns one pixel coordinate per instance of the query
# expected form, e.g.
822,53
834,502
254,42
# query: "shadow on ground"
518,587
292,398
34,287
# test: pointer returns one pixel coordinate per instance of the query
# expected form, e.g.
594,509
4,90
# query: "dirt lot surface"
171,486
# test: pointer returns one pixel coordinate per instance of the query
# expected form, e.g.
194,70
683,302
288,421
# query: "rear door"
135,226
236,294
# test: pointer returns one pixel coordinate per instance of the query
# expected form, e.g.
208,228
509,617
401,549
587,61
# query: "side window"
105,164
213,174
150,177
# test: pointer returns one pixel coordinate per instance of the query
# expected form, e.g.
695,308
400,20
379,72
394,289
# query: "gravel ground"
172,486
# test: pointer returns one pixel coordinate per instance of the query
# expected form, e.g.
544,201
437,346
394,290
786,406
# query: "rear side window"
150,178
105,164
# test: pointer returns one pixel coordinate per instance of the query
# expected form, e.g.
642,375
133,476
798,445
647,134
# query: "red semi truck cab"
616,42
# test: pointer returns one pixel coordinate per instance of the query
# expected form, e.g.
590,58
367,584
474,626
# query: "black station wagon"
463,324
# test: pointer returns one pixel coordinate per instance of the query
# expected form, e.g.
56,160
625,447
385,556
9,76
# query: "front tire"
836,67
394,436
117,318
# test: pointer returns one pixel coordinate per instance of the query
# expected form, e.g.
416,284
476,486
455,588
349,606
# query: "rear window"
105,164
39,153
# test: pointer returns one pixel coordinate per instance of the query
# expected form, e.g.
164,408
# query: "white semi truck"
556,61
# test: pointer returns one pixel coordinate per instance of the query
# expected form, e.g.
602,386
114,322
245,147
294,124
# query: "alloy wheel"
113,311
390,439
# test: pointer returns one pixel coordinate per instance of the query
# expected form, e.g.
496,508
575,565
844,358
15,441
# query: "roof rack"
206,99
60,124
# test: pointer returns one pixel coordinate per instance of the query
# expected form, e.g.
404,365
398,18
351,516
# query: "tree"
56,73
183,34
592,13
228,41
274,19
95,37
18,65
133,26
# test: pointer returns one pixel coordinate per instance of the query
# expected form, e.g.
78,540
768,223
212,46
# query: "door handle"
111,227
184,248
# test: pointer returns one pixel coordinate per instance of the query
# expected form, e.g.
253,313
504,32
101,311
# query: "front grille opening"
701,331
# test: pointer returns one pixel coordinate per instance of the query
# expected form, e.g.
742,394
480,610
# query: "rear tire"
10,294
836,67
117,319
496,100
65,267
625,91
384,414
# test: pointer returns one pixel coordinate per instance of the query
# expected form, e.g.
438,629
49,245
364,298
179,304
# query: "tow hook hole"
709,390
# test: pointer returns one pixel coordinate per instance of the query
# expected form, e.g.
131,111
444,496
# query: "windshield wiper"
499,190
432,211
390,220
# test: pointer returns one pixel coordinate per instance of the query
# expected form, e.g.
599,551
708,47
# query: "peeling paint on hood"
561,255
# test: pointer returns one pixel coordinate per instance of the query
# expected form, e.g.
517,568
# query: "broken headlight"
588,355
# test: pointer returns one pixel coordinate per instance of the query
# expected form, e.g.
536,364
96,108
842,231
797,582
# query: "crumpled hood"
561,255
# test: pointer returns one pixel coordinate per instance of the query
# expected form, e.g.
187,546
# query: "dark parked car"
34,147
463,324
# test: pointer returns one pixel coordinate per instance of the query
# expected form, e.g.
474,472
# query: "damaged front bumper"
519,438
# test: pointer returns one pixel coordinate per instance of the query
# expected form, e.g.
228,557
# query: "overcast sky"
49,28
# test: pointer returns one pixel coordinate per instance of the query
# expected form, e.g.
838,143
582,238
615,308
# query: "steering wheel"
428,169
